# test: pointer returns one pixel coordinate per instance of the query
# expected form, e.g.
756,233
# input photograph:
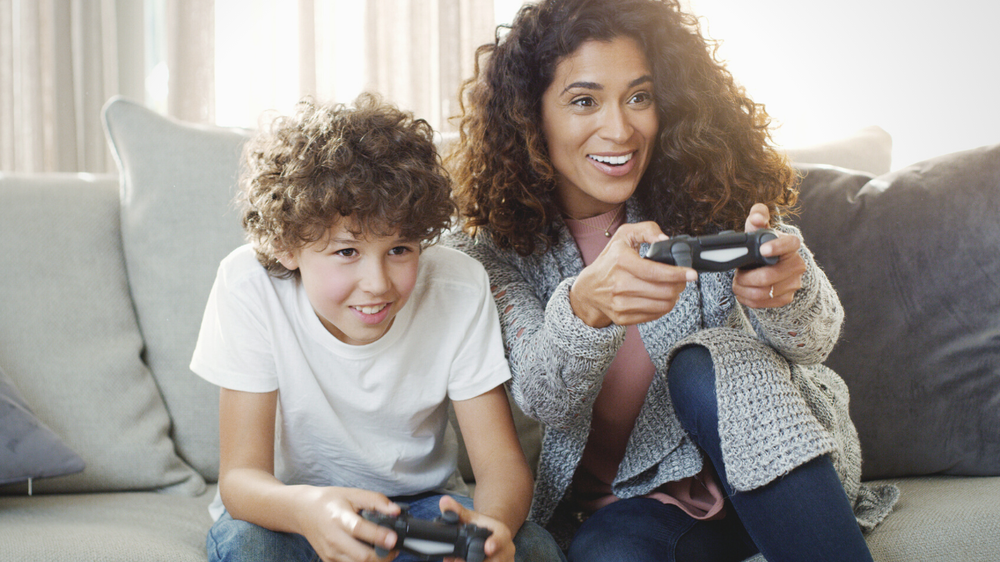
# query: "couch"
105,278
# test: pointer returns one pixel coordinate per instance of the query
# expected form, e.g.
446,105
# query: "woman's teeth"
371,309
612,160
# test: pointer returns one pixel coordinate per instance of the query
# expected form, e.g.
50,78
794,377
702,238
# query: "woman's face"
600,123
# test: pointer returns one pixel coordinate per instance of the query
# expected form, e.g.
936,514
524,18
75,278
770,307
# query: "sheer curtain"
217,61
59,62
270,53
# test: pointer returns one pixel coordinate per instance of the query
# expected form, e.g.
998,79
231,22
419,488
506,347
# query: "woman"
687,415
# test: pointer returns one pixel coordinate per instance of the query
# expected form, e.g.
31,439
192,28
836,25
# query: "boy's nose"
375,279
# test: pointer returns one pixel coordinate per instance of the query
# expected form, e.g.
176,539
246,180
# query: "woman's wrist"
589,315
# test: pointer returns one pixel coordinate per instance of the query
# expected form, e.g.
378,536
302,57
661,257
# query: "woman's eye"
584,102
642,98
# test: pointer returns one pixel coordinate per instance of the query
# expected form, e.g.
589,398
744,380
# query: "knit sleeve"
805,330
557,362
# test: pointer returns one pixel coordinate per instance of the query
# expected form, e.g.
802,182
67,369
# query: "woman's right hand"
622,287
331,521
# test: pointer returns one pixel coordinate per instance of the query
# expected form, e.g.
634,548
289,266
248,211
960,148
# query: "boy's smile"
356,285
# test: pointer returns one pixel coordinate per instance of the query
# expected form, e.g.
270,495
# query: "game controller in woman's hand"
714,252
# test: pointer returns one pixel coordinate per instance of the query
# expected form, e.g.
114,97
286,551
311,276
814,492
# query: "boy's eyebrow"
596,86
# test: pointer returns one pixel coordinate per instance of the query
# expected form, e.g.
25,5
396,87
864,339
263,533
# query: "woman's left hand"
770,286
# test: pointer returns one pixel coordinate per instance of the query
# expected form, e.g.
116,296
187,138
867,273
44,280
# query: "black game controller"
444,536
714,252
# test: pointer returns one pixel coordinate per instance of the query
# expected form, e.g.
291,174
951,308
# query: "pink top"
617,407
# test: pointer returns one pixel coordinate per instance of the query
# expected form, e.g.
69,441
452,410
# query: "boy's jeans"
233,540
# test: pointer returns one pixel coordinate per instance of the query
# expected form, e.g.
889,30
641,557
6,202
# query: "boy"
340,321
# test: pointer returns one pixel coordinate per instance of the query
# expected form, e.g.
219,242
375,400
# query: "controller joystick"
714,252
443,536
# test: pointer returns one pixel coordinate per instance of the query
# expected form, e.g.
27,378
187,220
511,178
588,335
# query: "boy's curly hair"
713,158
371,163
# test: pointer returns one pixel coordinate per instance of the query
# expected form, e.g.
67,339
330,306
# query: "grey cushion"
914,257
69,338
28,448
178,222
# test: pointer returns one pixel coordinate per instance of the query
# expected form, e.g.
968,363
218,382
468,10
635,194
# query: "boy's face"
356,286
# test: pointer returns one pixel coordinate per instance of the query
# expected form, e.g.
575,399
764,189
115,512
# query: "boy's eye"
400,250
347,252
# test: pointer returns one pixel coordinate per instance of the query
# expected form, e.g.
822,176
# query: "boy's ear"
288,260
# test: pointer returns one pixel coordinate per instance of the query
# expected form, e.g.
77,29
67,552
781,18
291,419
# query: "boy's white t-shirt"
372,416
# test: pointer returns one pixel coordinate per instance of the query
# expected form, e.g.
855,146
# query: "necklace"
607,219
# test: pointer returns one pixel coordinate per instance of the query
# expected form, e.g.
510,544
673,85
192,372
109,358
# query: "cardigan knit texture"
779,407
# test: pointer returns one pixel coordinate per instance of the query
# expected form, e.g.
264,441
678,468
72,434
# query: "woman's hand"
330,520
622,287
499,546
770,286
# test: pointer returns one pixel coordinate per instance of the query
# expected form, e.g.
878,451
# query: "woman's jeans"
238,541
802,516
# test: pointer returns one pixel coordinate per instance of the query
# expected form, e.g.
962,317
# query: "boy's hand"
499,546
331,522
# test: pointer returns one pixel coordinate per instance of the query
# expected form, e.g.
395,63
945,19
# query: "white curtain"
59,62
217,61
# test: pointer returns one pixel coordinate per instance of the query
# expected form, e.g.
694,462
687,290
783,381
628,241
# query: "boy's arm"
328,517
503,478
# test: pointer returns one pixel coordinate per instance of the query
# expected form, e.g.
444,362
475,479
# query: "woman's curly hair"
371,163
713,158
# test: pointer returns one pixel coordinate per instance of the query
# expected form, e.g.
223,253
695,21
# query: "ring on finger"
771,292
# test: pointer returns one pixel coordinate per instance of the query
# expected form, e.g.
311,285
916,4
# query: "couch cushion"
118,527
914,257
69,338
178,222
868,149
940,518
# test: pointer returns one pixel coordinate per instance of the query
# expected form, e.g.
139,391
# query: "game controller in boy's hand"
714,252
444,536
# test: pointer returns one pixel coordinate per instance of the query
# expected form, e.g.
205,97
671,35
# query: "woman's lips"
614,165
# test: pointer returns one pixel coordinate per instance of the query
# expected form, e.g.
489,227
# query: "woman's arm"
327,517
503,479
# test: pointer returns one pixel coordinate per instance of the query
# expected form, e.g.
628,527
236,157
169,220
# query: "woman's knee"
691,380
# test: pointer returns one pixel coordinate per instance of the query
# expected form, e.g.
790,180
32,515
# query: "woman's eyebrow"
595,86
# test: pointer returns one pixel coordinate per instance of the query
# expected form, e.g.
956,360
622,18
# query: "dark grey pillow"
28,448
915,257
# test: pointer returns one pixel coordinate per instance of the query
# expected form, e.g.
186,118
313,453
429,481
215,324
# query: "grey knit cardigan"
778,406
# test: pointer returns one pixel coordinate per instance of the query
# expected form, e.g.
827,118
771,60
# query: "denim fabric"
233,540
803,516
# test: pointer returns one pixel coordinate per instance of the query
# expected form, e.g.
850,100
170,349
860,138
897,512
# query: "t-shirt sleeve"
480,364
234,348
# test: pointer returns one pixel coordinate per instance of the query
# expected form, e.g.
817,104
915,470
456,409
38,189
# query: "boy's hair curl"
371,163
713,158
